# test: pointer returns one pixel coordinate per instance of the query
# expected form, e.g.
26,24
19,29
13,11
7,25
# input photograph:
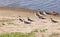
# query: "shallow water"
48,5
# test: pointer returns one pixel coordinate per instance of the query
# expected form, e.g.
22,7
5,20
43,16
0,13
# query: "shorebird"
44,12
20,19
41,13
40,16
26,22
48,13
53,20
30,19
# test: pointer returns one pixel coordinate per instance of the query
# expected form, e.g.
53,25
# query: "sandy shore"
19,26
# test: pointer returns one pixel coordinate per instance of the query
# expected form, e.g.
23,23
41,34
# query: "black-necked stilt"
53,20
41,17
30,19
20,19
48,13
26,22
41,13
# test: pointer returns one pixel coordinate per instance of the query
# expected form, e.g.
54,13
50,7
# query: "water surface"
48,5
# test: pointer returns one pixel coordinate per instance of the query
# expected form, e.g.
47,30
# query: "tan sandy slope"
19,26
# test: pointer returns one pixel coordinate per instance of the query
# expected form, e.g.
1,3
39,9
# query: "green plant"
17,34
43,30
35,30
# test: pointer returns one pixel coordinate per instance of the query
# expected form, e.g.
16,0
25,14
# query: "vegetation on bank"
17,34
43,30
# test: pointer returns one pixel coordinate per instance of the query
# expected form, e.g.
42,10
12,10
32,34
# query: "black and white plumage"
26,22
53,20
41,13
41,17
44,12
20,19
38,15
30,19
48,13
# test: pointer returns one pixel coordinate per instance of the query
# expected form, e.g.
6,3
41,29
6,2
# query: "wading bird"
53,20
26,22
30,19
41,17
